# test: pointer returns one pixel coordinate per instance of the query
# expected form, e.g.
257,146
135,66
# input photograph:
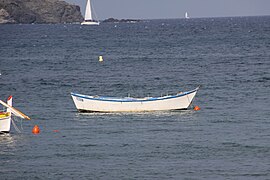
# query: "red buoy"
35,129
197,108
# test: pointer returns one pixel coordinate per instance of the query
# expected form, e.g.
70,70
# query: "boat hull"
86,103
90,23
5,122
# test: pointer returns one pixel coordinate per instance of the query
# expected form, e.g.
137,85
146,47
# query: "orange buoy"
197,108
35,129
56,131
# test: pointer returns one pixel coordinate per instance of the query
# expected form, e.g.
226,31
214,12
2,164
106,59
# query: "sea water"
228,138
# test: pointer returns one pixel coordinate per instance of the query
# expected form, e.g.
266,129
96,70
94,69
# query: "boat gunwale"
4,115
128,99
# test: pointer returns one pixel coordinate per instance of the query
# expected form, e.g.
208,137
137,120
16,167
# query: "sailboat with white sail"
88,18
186,16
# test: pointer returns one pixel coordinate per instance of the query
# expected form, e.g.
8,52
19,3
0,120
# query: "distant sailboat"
88,19
186,15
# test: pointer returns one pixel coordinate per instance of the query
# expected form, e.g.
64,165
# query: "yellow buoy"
100,59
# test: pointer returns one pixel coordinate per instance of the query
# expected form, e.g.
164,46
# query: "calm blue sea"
228,139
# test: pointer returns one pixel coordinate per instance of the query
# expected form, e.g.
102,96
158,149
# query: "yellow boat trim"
4,115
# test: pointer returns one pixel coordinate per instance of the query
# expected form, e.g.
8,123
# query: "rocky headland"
38,12
113,20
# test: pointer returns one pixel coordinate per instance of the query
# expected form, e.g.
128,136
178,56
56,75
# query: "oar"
15,111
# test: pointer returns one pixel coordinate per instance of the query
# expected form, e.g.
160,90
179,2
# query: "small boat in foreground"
180,101
5,116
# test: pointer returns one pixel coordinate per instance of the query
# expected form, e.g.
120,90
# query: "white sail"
88,12
186,15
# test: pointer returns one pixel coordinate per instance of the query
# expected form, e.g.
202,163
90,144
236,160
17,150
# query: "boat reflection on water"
6,140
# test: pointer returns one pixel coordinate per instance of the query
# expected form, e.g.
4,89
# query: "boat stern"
5,121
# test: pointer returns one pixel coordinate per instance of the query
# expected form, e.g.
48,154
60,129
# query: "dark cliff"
38,11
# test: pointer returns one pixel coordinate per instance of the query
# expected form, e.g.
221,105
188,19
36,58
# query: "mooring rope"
15,126
19,120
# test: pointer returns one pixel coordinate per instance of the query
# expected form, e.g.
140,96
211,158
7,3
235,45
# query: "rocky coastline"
38,12
113,20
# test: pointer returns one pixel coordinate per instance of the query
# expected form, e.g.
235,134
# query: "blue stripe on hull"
130,99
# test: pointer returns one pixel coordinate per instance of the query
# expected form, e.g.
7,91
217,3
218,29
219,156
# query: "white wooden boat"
85,103
5,116
88,18
5,121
